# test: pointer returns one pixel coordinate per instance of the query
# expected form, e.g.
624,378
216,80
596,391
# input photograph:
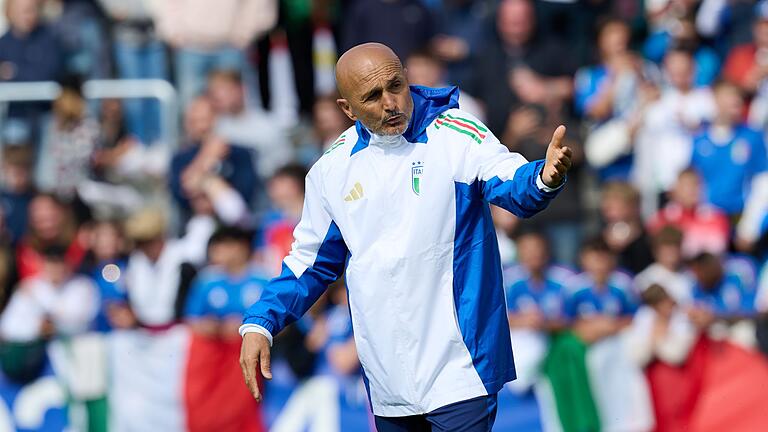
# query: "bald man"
400,204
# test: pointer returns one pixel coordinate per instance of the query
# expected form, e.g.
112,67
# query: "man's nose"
390,103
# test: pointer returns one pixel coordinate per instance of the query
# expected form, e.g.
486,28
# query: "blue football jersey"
217,294
729,298
727,167
587,300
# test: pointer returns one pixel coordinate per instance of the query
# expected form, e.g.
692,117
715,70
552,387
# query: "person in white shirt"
667,129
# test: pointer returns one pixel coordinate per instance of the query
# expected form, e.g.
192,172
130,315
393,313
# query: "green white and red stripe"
339,142
463,125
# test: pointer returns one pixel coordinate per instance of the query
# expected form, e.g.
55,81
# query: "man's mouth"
394,120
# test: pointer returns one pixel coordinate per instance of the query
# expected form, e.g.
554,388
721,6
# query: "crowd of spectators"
659,237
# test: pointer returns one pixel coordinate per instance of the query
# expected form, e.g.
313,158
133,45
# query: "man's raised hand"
558,160
254,354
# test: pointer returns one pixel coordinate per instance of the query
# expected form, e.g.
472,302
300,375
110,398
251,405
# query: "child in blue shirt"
226,288
599,303
727,154
535,287
719,294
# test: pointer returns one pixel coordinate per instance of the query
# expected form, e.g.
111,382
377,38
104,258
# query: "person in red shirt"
51,223
747,64
705,228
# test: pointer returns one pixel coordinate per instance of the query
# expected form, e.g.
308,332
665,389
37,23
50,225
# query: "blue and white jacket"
408,218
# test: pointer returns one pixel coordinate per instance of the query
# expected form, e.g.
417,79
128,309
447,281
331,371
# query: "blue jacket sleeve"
317,259
505,178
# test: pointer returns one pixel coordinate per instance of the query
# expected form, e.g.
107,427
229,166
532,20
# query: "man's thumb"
264,363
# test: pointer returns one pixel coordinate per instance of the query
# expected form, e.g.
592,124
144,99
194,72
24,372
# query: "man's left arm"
508,180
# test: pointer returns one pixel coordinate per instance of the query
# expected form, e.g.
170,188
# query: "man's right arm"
317,258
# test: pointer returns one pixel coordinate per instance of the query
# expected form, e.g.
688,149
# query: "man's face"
614,39
730,103
679,69
23,15
424,71
532,252
56,270
199,119
687,190
668,255
515,21
16,178
229,254
285,193
45,218
598,264
760,33
378,96
226,95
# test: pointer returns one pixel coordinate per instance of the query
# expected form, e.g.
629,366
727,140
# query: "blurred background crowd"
152,165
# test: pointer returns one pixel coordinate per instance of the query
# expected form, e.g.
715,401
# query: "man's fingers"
248,365
557,137
265,364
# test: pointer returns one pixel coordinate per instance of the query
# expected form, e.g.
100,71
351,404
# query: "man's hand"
255,354
558,160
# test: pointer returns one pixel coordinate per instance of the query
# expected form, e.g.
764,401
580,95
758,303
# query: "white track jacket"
407,219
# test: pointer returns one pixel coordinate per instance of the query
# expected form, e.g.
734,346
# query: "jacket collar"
428,103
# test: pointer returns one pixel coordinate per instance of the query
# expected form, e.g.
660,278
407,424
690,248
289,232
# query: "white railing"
158,89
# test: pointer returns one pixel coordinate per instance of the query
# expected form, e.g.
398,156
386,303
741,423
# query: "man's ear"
344,105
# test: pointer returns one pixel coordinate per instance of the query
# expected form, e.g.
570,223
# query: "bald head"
373,88
361,60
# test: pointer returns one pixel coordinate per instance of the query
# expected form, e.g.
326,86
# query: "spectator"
722,304
51,223
160,270
205,39
520,66
139,54
667,129
286,193
661,330
747,64
667,268
403,25
106,264
29,51
681,33
461,31
599,302
726,23
80,28
426,69
228,286
16,191
255,129
53,303
624,232
729,155
610,89
534,291
535,287
612,97
214,310
329,123
206,153
601,308
68,141
705,228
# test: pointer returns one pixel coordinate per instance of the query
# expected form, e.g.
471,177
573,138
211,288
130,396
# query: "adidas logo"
355,194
